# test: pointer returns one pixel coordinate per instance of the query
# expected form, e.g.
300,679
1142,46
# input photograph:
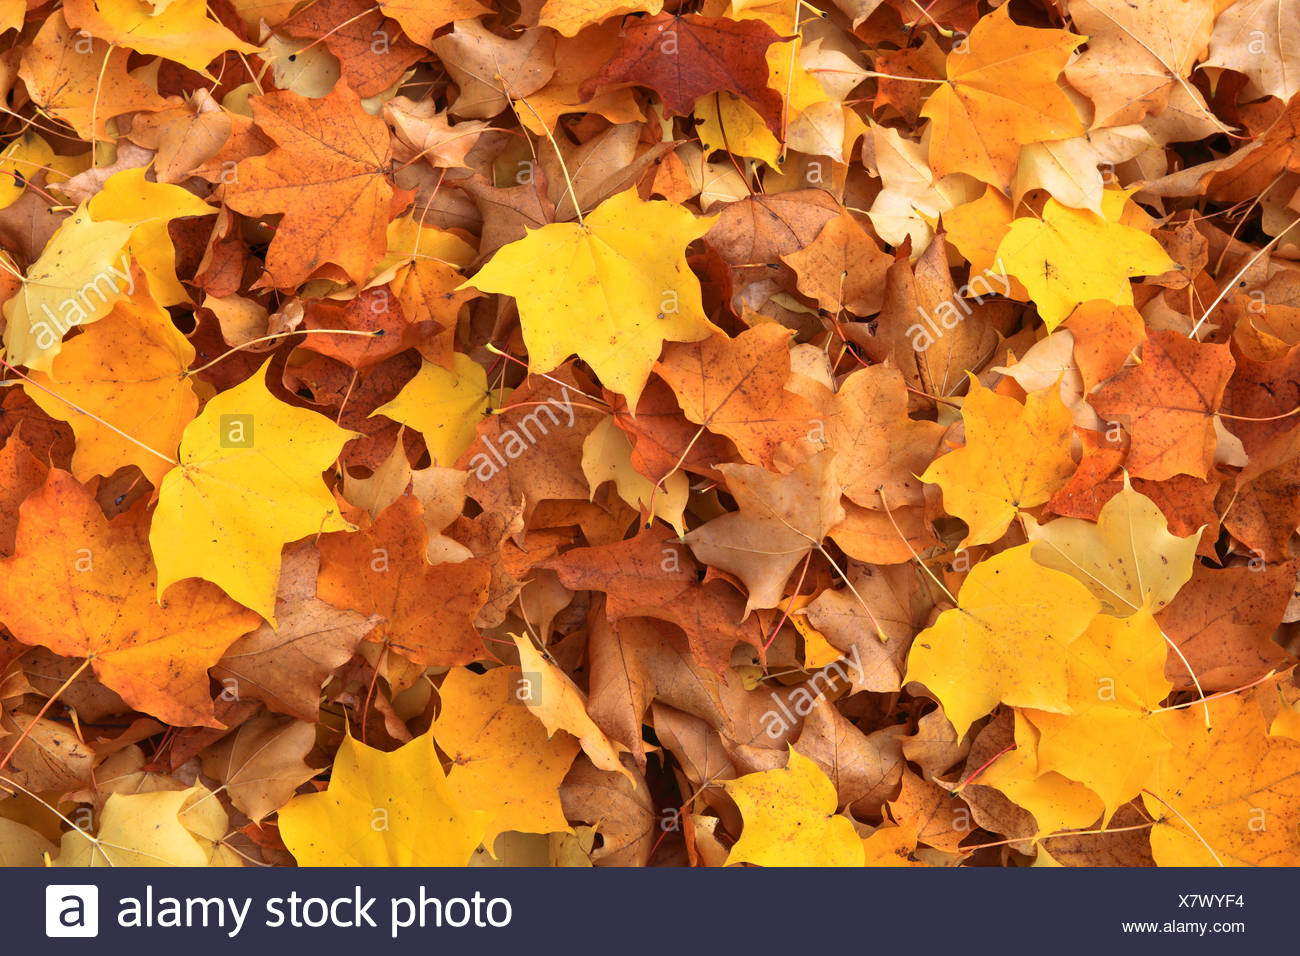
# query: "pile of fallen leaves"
579,431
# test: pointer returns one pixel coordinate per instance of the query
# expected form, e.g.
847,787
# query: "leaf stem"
279,335
92,416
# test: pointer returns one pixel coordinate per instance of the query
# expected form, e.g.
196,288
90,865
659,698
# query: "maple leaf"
163,828
98,601
636,661
1067,169
1257,38
1112,741
790,819
1223,621
1104,337
842,268
420,19
286,666
503,760
491,70
652,576
1013,625
607,456
1072,256
1016,456
1055,801
760,229
531,450
78,277
663,439
578,57
685,57
864,768
728,122
938,818
1138,57
384,572
1168,402
375,311
427,268
245,455
84,89
1128,559
841,617
128,197
262,763
736,388
179,30
1216,781
622,812
880,449
349,29
339,212
780,519
557,702
444,405
1001,92
602,290
122,385
422,822
568,17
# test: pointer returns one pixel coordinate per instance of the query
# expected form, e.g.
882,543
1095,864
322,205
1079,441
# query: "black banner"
489,911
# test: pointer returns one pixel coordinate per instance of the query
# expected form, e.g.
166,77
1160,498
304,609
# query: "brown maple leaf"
685,57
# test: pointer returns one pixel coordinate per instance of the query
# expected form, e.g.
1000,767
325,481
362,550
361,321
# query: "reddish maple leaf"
685,57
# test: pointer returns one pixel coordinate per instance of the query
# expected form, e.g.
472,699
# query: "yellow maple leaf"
129,197
607,456
161,828
611,290
247,483
23,159
1001,93
1072,256
1056,802
180,31
557,702
1111,741
421,19
1006,641
502,760
725,121
790,819
443,405
1128,559
81,272
567,17
383,809
1016,456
